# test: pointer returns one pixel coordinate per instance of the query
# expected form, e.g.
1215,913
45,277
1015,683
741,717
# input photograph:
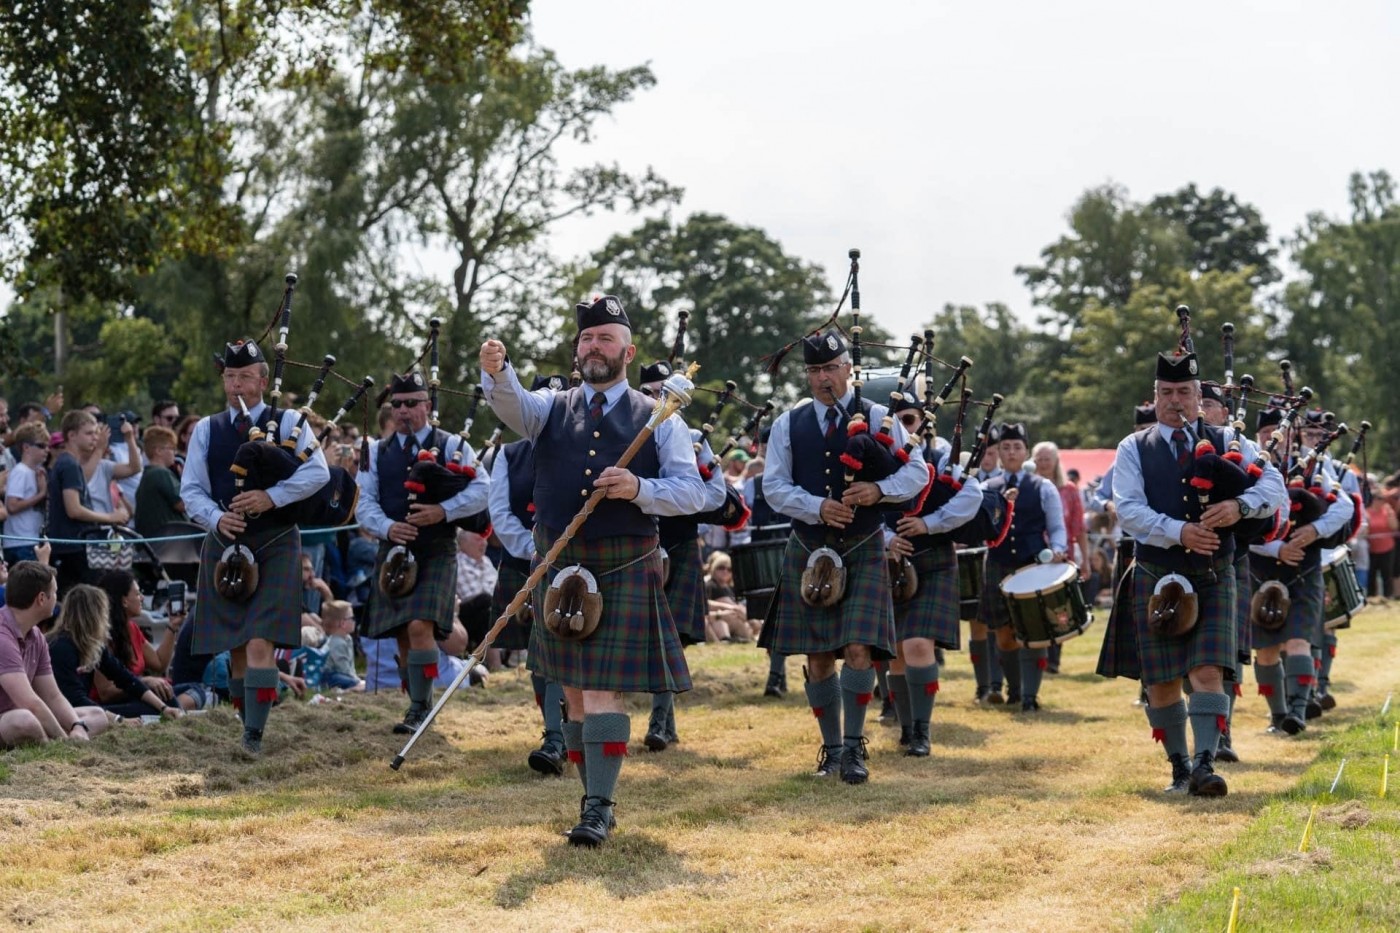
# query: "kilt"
993,612
510,577
274,611
933,612
1211,643
1305,592
1244,589
685,592
1119,655
864,616
635,648
432,598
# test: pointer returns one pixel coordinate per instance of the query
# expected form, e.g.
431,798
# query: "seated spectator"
71,510
25,493
147,662
158,497
339,670
382,662
359,567
32,708
78,649
314,591
727,619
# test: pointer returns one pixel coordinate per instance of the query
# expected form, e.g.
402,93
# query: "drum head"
1333,555
1038,578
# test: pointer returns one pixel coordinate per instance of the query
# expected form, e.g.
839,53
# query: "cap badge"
613,307
831,341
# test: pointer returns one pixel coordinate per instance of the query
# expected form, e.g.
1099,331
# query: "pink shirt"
27,654
1074,512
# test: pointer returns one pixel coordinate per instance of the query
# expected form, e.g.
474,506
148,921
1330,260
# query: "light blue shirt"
677,491
1050,503
469,501
1145,525
797,503
515,537
957,511
716,486
1104,494
194,482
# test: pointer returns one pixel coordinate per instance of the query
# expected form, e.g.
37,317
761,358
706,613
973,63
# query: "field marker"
1386,707
1385,775
1395,742
1336,780
1307,830
1234,912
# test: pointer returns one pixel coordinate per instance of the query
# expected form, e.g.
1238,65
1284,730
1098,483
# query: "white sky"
948,141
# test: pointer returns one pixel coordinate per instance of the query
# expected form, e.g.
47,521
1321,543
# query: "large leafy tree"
1222,233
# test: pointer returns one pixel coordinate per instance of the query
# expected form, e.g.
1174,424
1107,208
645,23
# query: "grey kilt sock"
1011,667
1169,727
539,685
824,696
1329,654
422,668
857,687
660,707
1209,713
1033,663
898,686
994,672
1270,679
1298,669
1317,654
923,689
981,666
573,744
882,673
235,694
552,709
605,737
259,693
777,663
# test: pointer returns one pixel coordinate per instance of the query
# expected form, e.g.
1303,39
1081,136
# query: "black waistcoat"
1026,539
1168,490
392,463
224,441
817,467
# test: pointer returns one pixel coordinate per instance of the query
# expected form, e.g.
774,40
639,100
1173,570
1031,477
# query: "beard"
598,369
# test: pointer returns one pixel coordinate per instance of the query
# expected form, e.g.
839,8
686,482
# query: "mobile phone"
115,422
175,594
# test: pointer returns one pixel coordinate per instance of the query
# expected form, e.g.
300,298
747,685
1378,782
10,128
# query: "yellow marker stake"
1307,830
1385,775
1395,742
1234,912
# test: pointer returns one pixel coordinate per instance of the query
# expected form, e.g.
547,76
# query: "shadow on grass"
631,864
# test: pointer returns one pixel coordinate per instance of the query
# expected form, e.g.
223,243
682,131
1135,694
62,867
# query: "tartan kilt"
510,577
432,598
864,616
635,648
685,592
1305,593
993,612
1119,655
1244,590
933,612
274,611
1211,643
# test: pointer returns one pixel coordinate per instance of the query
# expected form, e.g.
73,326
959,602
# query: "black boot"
776,686
411,721
918,741
1225,750
1326,700
828,761
1275,723
1030,704
1181,775
655,739
887,714
549,758
904,736
853,770
252,741
594,823
1292,724
1204,781
1314,708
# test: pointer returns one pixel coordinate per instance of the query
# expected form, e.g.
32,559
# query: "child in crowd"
338,620
28,488
314,592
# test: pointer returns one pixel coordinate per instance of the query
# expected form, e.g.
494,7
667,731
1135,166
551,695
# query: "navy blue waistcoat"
224,441
1026,539
392,463
1168,490
571,452
817,467
520,463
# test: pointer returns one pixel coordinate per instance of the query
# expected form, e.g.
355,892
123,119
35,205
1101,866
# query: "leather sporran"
1173,608
399,573
904,579
236,574
824,579
572,604
1268,607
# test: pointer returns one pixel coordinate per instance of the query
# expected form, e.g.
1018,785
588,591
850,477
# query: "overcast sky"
948,141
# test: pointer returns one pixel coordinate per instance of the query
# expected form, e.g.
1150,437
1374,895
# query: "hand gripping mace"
675,395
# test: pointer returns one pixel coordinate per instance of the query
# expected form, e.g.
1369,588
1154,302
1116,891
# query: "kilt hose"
685,591
1210,644
864,616
1119,655
1305,593
933,612
432,598
273,613
510,577
635,648
994,612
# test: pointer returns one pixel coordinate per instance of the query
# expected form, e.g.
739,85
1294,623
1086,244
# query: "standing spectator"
71,512
165,413
103,473
183,429
24,496
158,497
32,708
476,581
1384,525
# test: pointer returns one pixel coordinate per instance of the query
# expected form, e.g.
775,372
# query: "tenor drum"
970,577
1047,604
1341,593
758,566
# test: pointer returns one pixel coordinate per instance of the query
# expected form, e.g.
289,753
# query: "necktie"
1183,449
595,407
411,446
241,423
830,421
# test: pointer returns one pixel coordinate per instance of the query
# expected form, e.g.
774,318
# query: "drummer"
766,525
981,643
930,619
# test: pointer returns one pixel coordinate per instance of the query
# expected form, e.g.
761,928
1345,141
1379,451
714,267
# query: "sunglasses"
406,402
40,446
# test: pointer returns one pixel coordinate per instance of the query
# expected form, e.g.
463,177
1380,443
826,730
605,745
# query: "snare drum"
970,578
758,566
1046,604
1341,593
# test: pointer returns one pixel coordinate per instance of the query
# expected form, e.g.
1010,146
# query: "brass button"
596,434
587,472
593,453
828,472
583,492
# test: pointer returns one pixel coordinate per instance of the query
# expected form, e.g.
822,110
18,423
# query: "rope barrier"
136,539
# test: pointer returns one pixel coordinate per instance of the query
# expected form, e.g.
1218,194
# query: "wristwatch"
1245,511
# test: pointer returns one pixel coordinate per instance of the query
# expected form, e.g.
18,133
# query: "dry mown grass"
1051,822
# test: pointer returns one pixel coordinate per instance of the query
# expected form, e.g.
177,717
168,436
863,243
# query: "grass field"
1050,822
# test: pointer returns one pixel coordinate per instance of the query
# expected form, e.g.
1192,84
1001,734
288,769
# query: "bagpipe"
734,514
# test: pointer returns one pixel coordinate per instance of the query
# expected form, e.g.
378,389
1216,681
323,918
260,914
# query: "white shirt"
23,528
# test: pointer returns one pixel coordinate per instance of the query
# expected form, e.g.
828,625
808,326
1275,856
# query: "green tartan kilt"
274,611
1210,644
1244,590
1305,594
432,598
1119,655
994,613
510,577
864,616
635,648
933,612
685,592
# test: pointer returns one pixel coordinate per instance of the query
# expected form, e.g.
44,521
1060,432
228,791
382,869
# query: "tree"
1222,233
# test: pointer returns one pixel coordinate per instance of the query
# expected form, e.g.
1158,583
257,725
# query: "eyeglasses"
40,446
830,369
406,402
